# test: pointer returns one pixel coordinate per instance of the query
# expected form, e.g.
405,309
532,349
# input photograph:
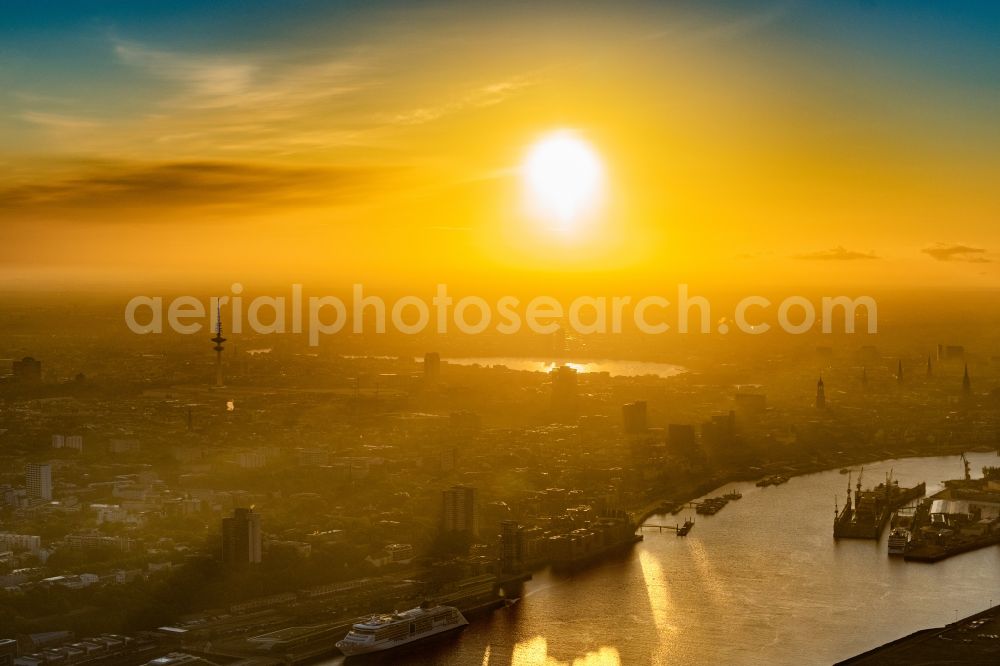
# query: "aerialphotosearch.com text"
442,313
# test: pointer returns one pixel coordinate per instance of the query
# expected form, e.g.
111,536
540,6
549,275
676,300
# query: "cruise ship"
385,632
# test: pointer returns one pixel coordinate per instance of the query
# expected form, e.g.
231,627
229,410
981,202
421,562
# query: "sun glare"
563,175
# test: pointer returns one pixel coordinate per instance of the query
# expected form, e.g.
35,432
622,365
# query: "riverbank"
971,640
839,460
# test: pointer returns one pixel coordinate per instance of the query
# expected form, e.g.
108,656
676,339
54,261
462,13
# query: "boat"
733,495
899,539
711,506
845,470
685,528
866,514
379,633
773,480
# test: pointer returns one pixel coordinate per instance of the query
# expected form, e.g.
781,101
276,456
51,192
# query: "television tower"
218,340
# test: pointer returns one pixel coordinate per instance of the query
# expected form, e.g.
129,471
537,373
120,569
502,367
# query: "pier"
680,530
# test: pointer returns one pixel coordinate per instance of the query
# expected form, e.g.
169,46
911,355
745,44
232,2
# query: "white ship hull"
366,637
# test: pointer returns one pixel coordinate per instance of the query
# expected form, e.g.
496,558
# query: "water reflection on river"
613,367
762,582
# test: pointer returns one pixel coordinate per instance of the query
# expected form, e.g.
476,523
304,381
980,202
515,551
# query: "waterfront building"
511,546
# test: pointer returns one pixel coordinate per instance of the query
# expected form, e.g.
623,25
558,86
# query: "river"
761,582
615,368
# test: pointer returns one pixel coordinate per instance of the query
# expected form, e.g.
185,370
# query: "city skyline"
506,334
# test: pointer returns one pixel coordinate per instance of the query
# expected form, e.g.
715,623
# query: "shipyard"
963,516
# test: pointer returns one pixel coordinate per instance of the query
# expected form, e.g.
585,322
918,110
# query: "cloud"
199,184
838,253
481,97
241,81
724,30
956,252
58,121
290,103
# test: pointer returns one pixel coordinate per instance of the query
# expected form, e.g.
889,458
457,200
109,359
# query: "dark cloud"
198,184
838,253
957,252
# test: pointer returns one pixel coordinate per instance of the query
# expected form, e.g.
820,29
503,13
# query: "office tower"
460,512
38,479
241,538
820,394
432,366
966,381
930,368
634,417
564,389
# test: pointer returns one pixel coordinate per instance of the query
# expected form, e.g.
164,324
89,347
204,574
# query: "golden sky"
752,144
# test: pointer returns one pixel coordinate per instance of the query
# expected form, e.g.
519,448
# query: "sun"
564,177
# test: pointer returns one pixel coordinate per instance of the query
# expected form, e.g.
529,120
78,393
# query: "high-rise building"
947,352
634,417
966,381
682,440
460,513
718,437
511,546
564,390
241,538
27,370
820,394
432,366
38,479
